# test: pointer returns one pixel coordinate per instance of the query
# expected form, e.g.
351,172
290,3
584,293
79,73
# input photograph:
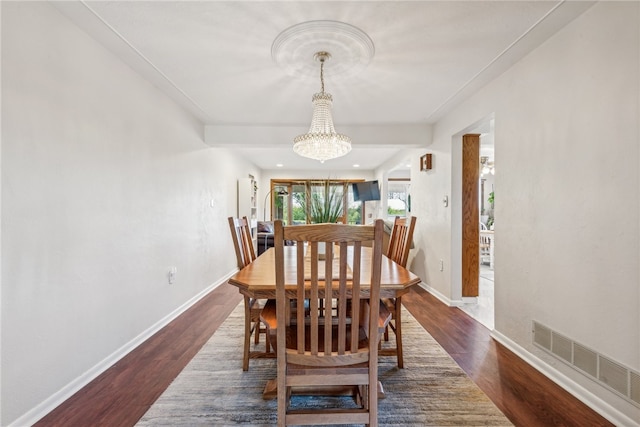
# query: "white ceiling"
214,58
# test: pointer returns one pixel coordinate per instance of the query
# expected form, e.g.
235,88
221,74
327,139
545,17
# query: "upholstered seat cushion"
265,236
265,227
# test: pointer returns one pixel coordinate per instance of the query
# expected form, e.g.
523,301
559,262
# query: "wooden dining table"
258,280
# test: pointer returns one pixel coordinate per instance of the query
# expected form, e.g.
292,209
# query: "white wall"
105,184
568,238
432,235
386,170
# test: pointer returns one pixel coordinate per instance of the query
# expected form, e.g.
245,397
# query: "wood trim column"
470,215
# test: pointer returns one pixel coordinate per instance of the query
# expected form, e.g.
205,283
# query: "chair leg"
372,395
398,331
257,326
283,403
267,342
386,330
257,329
247,333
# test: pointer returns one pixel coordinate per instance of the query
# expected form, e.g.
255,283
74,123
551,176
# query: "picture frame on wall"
426,162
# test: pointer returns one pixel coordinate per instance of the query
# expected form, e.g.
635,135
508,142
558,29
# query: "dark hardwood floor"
122,394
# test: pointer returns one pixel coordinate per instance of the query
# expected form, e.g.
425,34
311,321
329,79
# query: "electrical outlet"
441,265
171,276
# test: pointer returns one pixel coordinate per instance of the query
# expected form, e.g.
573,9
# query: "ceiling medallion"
294,49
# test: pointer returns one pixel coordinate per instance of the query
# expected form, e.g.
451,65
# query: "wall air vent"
561,346
635,387
542,336
613,374
586,360
605,371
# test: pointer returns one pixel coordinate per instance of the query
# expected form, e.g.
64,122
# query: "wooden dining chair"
337,346
242,241
245,255
398,251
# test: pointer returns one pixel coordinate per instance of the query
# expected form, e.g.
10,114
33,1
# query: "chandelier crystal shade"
322,142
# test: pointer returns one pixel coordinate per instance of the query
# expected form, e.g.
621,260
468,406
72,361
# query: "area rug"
212,390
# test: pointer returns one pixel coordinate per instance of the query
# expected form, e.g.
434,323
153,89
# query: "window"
355,210
398,198
292,207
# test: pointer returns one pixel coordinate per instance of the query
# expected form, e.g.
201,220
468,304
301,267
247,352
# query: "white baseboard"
575,389
53,401
441,297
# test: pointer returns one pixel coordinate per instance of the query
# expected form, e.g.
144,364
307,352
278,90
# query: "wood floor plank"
523,394
123,393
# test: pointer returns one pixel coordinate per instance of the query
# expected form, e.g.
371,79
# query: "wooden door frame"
456,297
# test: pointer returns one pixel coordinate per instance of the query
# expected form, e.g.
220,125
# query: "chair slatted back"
329,328
242,241
400,240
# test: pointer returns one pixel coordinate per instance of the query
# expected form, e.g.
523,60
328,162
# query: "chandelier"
322,142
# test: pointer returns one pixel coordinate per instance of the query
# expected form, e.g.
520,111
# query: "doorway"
476,233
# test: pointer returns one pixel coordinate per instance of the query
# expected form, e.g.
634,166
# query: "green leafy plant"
324,203
490,198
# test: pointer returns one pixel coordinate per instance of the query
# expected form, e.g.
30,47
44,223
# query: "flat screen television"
364,191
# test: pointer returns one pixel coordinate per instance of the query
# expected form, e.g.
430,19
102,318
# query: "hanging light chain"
322,56
322,75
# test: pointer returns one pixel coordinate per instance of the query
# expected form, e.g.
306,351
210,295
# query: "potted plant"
490,220
324,203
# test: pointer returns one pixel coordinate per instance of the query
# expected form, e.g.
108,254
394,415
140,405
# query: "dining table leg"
247,333
398,331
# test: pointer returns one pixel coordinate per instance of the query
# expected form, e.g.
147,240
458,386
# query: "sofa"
265,236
